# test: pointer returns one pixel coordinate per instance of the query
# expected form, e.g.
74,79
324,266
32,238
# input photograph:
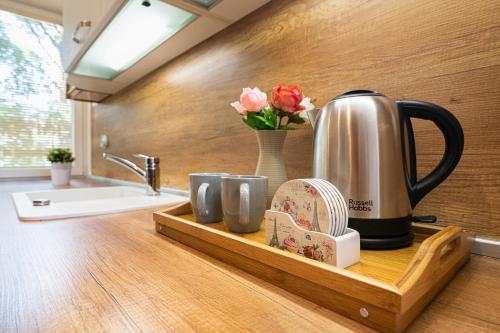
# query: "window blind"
34,114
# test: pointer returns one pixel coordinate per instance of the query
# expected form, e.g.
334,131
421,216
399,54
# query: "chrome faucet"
150,174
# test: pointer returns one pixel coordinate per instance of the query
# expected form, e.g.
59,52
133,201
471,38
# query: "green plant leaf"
295,119
60,155
271,117
251,122
266,121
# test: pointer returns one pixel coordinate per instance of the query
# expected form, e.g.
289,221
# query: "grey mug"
244,202
205,189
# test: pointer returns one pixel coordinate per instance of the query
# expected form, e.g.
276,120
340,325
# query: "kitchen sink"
64,203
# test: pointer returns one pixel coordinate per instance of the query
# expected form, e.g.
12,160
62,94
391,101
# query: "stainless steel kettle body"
363,144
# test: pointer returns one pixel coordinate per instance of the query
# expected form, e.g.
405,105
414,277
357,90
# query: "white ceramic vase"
60,173
271,162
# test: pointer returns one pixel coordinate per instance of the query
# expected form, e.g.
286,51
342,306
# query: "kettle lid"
359,92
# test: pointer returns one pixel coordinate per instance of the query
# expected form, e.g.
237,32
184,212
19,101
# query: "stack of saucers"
314,204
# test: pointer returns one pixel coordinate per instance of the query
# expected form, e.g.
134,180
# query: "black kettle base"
388,243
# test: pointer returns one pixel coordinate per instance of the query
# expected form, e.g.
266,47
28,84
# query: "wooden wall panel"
443,51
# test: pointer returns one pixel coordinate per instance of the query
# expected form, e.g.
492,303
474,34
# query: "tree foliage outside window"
34,114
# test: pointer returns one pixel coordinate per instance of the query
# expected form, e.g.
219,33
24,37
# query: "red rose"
308,251
316,255
287,98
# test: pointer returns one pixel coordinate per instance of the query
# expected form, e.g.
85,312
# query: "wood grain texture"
394,286
442,51
384,266
114,273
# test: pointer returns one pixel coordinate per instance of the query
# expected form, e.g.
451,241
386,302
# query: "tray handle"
435,257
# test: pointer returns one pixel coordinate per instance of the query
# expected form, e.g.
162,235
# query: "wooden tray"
386,290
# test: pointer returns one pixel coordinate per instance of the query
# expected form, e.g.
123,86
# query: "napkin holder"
283,233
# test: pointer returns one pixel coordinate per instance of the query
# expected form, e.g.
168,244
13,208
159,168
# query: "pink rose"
311,190
288,98
251,100
291,245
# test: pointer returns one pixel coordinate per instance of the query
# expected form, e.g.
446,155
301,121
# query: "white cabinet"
93,59
74,14
80,21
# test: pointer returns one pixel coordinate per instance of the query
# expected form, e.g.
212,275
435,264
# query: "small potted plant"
61,159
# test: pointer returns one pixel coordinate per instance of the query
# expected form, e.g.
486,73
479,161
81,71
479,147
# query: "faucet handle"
148,159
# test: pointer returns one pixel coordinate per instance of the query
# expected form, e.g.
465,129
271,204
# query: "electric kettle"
364,145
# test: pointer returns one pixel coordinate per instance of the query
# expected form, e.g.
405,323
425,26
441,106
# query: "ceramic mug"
205,189
244,201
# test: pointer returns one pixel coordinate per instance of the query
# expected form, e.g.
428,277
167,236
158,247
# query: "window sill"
21,172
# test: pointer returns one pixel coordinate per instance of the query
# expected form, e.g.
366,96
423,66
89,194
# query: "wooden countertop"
115,273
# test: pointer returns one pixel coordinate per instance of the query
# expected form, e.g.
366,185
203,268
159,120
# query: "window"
34,114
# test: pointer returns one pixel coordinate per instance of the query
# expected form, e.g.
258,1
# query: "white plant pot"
60,173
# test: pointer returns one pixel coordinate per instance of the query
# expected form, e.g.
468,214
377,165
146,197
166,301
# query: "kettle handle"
454,145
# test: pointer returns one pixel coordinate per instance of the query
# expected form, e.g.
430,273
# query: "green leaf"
251,123
270,116
266,121
295,119
274,119
60,155
253,120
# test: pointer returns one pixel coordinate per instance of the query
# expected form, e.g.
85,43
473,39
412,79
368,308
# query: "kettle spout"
313,116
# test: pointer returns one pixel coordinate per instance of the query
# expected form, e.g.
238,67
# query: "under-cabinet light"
134,32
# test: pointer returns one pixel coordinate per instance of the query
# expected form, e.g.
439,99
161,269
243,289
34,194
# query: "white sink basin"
88,201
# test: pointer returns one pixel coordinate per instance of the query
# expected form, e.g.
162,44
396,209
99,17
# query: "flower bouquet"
288,106
272,122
